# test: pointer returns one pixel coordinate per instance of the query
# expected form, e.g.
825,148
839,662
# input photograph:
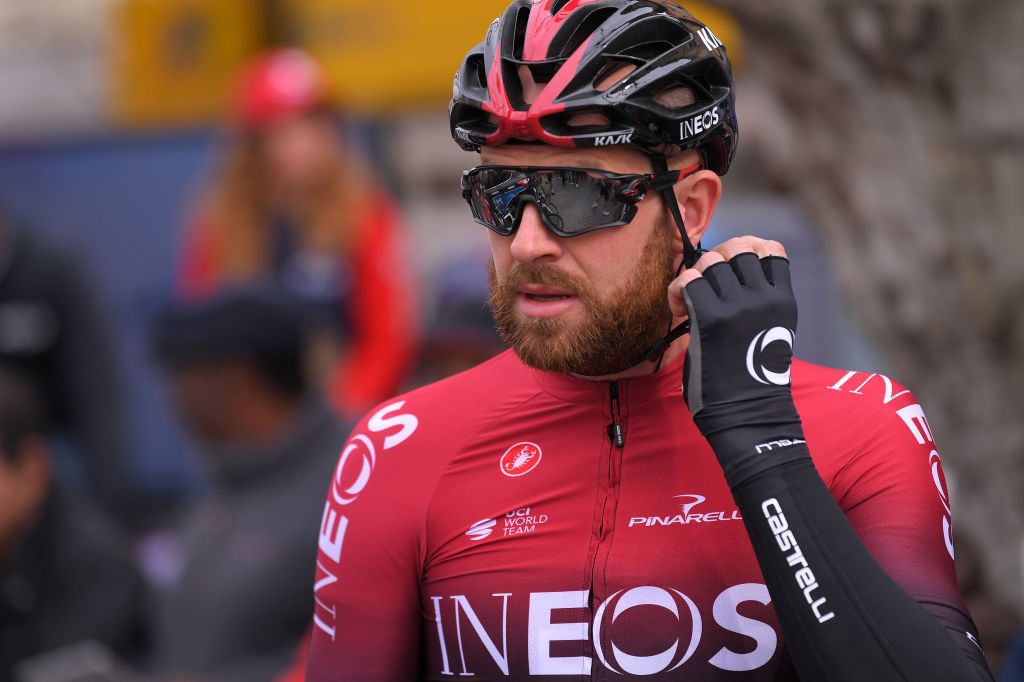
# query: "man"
53,326
66,577
558,513
240,606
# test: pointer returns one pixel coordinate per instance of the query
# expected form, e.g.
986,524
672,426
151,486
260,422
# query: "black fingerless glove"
736,377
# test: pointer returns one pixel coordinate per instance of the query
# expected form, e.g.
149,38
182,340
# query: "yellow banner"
175,59
391,55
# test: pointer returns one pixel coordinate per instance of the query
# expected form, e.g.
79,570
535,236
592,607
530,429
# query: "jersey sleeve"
893,491
366,623
861,571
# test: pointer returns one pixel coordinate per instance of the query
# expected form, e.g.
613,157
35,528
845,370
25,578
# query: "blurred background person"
66,576
293,204
460,332
997,620
240,604
53,327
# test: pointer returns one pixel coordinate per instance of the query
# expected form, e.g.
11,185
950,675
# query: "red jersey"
509,523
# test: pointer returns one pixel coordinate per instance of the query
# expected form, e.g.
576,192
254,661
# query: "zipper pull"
616,435
615,432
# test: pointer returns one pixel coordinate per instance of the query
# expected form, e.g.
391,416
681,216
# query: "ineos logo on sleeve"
362,447
380,421
755,367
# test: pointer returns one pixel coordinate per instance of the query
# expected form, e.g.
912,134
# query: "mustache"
544,276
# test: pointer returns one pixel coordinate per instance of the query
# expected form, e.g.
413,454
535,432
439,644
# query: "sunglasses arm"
664,181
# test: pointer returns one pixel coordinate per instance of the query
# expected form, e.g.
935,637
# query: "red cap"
279,85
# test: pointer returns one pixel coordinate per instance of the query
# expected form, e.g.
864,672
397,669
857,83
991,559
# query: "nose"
533,242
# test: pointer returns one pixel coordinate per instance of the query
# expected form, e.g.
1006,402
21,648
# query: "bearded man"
557,512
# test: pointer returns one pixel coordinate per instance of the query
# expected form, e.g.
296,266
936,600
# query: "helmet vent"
476,72
584,29
557,5
647,51
519,36
611,73
675,98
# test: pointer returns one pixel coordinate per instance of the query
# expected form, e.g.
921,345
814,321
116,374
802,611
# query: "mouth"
543,301
536,292
547,297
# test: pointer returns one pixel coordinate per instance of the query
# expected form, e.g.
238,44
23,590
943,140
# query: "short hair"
22,411
256,325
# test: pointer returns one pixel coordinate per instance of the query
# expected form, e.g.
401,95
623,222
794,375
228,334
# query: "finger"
698,294
748,269
769,247
707,260
776,269
676,297
723,280
733,247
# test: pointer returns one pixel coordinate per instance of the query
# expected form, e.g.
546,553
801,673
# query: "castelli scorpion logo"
520,459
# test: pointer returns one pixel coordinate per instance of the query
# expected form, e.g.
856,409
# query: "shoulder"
432,422
857,396
854,416
474,393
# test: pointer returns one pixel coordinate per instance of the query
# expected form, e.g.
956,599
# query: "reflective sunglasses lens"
570,201
581,201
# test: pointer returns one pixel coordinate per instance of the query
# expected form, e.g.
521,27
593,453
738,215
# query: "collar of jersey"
666,382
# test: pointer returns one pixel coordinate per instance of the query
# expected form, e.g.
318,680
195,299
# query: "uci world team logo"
520,459
756,351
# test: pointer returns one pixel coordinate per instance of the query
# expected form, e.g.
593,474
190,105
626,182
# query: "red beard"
614,332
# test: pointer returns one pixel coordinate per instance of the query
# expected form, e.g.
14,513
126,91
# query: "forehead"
619,159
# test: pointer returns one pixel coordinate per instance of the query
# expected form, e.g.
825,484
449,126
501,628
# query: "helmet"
644,72
278,85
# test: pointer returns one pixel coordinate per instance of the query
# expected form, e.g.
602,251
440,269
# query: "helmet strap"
690,255
668,195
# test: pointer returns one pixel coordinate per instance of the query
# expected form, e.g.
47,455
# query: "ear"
698,196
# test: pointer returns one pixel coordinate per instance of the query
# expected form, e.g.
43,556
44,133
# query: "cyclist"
557,512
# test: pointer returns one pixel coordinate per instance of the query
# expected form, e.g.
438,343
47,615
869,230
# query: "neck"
677,348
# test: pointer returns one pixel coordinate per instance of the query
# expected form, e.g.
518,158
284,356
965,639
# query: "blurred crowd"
294,312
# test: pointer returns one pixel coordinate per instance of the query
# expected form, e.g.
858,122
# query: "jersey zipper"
616,434
608,494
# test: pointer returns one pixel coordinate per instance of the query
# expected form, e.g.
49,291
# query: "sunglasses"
571,201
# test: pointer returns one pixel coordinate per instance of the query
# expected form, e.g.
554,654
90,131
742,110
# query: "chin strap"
690,255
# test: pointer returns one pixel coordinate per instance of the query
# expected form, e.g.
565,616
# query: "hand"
736,377
762,248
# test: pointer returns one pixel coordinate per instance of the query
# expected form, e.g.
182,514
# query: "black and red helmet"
571,50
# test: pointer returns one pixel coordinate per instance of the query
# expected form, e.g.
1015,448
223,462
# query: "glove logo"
756,368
